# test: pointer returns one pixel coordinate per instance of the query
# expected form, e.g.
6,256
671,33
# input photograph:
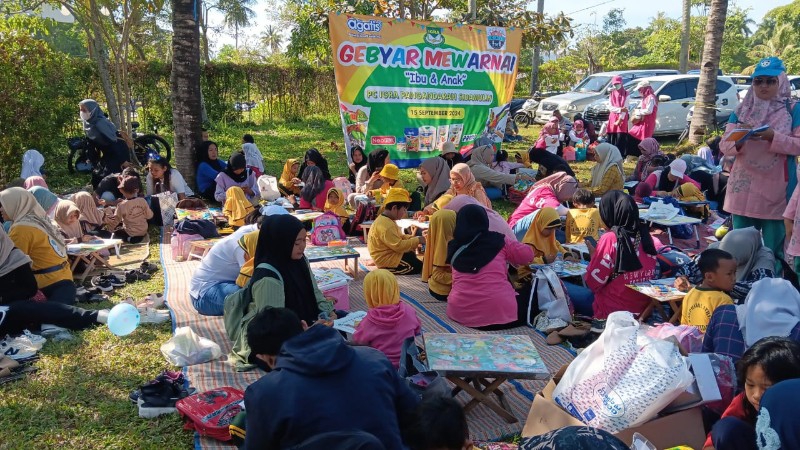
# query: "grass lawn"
79,397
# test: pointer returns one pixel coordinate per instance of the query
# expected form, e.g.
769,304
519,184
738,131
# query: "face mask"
617,86
85,115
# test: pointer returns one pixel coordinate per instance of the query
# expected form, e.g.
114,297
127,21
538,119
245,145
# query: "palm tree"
237,15
185,85
685,32
704,112
271,39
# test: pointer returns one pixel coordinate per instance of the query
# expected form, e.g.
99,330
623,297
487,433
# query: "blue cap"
769,67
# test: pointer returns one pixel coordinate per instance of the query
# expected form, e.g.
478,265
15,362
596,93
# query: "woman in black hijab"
314,158
481,296
549,163
287,282
208,167
108,147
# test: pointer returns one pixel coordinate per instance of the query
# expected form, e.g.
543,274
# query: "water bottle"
558,263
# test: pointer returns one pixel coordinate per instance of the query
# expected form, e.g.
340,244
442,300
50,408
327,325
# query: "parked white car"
591,88
676,94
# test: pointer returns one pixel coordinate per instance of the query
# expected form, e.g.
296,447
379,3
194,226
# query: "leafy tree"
237,14
271,39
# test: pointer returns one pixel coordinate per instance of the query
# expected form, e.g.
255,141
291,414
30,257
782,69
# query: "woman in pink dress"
617,128
482,297
644,119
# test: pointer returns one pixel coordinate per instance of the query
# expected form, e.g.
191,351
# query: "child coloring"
389,321
719,275
132,213
583,220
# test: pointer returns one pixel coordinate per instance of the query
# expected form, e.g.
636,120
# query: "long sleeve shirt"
386,244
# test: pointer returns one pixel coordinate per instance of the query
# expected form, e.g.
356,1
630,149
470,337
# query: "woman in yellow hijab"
334,204
237,206
288,176
247,243
435,270
688,192
542,237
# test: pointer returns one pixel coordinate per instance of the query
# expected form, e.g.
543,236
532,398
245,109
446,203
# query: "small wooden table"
89,254
322,253
199,249
660,292
470,360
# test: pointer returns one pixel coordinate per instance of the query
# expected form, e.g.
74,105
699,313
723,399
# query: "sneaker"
16,350
102,283
115,280
153,386
154,316
159,398
132,276
148,267
598,326
55,333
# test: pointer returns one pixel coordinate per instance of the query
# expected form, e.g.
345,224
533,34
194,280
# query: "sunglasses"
768,81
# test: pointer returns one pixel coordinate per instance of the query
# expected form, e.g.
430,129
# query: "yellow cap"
397,195
391,172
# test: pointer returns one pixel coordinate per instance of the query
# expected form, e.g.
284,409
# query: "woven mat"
131,254
484,424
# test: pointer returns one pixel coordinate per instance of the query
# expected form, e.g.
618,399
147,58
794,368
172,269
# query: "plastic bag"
690,338
186,348
167,202
623,379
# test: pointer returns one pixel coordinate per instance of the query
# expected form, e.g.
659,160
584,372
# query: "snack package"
454,134
427,138
441,136
412,139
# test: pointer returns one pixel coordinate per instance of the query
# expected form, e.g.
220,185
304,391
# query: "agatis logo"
365,26
496,37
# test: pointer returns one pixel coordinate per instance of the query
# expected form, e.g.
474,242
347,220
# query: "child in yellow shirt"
719,276
388,247
583,220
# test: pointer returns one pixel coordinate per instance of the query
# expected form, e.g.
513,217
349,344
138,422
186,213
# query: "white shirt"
221,264
176,183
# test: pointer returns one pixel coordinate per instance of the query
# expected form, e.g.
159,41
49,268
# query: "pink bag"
181,244
343,184
690,338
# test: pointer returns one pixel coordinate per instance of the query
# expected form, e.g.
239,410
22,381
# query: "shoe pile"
159,396
149,308
89,294
23,346
107,283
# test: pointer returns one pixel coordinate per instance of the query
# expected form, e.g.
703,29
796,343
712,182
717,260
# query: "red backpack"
210,413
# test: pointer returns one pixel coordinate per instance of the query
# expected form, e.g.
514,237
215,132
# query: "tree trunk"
185,85
473,10
704,112
101,59
685,31
401,6
203,19
537,50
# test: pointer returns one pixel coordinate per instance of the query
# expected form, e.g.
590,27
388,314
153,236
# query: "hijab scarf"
774,112
553,163
376,160
620,213
98,128
381,289
274,247
649,148
247,243
46,199
237,206
664,183
287,175
618,97
23,208
32,162
442,225
440,178
475,244
482,156
35,181
746,246
235,162
202,156
10,256
772,308
496,221
338,207
89,211
314,155
562,184
608,157
63,211
358,166
253,156
546,246
467,178
574,438
314,180
777,426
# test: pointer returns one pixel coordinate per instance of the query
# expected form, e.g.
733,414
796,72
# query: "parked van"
676,95
593,87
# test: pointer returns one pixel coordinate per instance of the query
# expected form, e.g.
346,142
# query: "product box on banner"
682,426
335,284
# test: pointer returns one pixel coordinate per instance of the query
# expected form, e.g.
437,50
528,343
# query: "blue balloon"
123,319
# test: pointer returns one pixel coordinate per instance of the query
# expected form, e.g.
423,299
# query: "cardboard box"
681,428
703,390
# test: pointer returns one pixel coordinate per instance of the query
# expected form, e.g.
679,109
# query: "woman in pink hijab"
496,222
764,174
617,128
649,149
644,119
35,181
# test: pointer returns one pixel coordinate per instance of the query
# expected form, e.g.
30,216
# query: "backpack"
268,187
422,381
672,262
550,297
326,229
365,212
211,412
181,244
343,184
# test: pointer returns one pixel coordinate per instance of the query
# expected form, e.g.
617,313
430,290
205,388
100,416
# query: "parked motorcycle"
526,110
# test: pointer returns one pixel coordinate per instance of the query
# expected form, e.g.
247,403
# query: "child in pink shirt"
617,262
389,321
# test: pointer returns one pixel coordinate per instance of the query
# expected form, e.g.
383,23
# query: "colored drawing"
483,353
661,290
314,253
